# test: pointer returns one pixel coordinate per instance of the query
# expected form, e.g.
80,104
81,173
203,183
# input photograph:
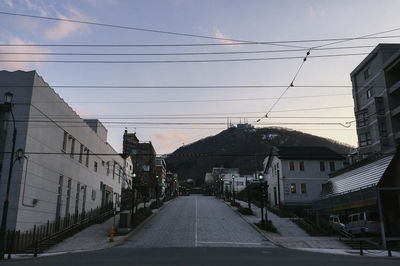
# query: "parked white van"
336,223
363,222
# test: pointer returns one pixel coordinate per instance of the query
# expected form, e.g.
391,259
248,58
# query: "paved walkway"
289,234
94,237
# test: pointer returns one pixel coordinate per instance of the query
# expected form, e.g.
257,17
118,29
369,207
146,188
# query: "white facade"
68,168
296,182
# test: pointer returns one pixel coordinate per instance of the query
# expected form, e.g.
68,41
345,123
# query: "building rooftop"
356,179
305,152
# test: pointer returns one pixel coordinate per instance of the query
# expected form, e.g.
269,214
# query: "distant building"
161,173
143,158
296,175
376,94
68,167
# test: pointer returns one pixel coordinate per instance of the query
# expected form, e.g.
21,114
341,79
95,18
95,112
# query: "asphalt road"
199,230
196,221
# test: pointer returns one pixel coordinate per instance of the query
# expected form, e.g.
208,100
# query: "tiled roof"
306,152
364,176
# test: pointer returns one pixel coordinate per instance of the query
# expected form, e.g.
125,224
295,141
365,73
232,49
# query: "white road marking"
231,243
195,225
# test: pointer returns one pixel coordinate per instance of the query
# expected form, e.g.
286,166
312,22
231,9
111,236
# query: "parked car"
366,222
336,223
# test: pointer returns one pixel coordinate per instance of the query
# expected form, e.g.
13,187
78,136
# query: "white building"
295,175
68,166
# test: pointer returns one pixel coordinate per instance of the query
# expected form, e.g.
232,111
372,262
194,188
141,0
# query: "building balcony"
396,111
395,89
397,135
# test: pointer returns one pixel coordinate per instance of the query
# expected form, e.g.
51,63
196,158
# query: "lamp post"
8,102
233,188
248,194
157,190
221,186
261,178
133,198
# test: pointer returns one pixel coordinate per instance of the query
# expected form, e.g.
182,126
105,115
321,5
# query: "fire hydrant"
112,234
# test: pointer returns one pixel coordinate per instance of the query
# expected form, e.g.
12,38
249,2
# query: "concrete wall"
46,118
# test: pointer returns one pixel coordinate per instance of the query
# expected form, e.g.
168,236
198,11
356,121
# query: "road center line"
195,226
232,243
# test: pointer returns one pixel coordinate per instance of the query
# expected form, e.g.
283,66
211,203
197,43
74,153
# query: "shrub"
245,211
141,215
236,204
270,226
154,204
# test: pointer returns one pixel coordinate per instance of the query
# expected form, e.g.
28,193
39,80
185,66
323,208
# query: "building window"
362,119
119,174
332,166
95,166
68,199
368,93
81,153
379,106
78,188
291,166
113,174
301,166
108,168
87,157
364,139
382,129
72,147
293,188
64,144
367,73
303,189
322,166
59,197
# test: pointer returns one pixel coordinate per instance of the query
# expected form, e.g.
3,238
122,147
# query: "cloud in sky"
64,29
102,2
314,13
9,3
11,66
170,140
219,34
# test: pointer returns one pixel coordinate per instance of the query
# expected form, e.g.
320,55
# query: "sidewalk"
94,237
290,235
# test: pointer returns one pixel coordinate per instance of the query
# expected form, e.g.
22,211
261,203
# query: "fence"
42,237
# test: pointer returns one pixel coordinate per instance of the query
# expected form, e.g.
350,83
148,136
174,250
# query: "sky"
178,114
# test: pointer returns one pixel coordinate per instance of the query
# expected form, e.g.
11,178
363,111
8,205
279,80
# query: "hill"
243,148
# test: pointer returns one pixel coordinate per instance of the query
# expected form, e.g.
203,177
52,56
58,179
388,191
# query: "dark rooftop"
306,152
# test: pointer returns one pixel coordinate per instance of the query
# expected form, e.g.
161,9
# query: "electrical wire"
175,61
139,29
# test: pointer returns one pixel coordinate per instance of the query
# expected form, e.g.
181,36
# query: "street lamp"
261,178
221,187
157,190
133,198
233,188
20,153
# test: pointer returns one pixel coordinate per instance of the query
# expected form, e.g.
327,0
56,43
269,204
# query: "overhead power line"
204,44
139,29
182,53
176,61
195,101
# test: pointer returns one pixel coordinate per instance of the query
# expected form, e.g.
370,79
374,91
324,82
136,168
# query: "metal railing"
45,235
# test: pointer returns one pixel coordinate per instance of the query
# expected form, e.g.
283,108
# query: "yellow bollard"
112,234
